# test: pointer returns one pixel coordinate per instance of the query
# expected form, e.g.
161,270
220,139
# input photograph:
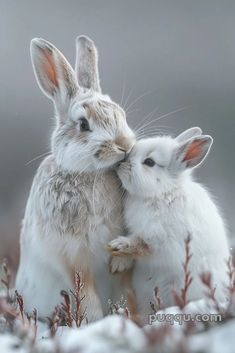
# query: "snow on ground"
117,334
220,339
112,334
11,344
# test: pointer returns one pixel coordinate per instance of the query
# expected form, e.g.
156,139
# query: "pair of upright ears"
60,82
56,77
193,147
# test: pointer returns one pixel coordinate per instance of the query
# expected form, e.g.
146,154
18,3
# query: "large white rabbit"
74,207
163,206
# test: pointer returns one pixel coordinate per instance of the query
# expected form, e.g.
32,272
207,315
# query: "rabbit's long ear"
87,64
187,134
191,153
54,75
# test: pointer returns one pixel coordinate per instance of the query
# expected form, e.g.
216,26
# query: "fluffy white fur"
74,207
163,206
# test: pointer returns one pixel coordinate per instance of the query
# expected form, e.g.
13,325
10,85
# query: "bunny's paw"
120,246
120,264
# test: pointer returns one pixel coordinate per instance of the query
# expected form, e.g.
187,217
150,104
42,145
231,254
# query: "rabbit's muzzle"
114,151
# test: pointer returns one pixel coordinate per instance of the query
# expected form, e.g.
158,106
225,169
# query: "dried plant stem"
66,306
6,281
181,299
54,321
158,305
206,279
20,302
231,275
78,317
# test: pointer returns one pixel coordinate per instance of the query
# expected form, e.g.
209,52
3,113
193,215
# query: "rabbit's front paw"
119,246
120,264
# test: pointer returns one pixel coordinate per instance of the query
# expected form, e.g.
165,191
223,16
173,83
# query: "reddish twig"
231,275
7,277
54,321
20,302
181,299
64,314
66,307
158,305
77,316
206,279
231,288
34,318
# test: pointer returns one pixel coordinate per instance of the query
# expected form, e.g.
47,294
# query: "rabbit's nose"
123,142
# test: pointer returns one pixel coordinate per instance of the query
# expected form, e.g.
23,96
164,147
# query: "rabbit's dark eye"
149,162
84,125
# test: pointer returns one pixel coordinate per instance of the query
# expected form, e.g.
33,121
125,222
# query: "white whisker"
123,92
127,99
145,118
136,100
161,117
41,155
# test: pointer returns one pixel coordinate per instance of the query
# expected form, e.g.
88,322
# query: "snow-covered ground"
118,334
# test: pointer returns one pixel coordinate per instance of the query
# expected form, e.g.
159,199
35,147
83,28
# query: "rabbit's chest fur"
164,225
73,207
68,222
184,211
156,220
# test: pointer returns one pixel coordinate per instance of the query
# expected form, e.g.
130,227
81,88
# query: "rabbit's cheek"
124,169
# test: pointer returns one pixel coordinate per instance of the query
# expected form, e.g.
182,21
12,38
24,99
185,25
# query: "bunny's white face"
155,165
91,132
145,172
93,136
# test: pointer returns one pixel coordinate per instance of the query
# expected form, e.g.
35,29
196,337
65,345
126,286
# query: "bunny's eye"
84,125
149,162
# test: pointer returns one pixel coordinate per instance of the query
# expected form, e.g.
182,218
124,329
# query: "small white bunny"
75,204
163,206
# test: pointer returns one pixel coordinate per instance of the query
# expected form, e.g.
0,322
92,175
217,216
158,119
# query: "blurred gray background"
176,54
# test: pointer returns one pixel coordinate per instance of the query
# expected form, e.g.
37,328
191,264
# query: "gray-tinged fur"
68,203
75,205
87,64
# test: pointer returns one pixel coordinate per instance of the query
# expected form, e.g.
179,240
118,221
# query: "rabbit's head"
156,165
91,130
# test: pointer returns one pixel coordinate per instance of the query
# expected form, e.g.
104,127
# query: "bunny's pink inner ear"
194,150
49,67
54,74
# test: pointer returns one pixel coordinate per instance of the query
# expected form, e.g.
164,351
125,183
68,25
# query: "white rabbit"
163,206
75,204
